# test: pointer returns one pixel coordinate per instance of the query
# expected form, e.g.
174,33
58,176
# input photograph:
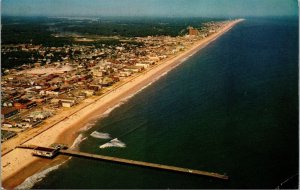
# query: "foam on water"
109,110
140,90
77,141
32,180
87,127
99,135
113,143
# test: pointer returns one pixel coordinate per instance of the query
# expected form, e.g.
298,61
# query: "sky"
164,8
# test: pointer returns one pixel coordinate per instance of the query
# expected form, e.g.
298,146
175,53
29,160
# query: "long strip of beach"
18,164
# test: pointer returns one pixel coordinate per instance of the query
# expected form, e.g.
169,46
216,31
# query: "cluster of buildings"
33,92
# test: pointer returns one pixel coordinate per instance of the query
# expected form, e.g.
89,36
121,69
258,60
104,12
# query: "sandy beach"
18,164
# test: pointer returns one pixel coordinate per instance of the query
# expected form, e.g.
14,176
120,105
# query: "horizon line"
147,16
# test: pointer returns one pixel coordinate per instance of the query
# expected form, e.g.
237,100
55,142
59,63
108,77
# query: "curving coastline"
66,130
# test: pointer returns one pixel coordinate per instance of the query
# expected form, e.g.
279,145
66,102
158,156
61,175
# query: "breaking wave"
87,127
107,112
99,135
124,100
32,180
77,141
140,90
113,143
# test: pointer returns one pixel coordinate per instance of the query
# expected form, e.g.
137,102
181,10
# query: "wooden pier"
136,163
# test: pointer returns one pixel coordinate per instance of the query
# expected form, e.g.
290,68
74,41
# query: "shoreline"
18,164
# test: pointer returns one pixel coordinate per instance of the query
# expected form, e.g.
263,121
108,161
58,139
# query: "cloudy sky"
169,8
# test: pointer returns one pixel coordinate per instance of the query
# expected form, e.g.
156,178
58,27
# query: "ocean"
230,108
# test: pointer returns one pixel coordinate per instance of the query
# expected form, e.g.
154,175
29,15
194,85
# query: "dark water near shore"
231,108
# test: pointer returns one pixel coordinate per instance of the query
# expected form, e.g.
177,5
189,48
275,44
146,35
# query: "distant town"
54,79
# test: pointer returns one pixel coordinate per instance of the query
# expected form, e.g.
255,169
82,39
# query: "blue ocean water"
231,108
